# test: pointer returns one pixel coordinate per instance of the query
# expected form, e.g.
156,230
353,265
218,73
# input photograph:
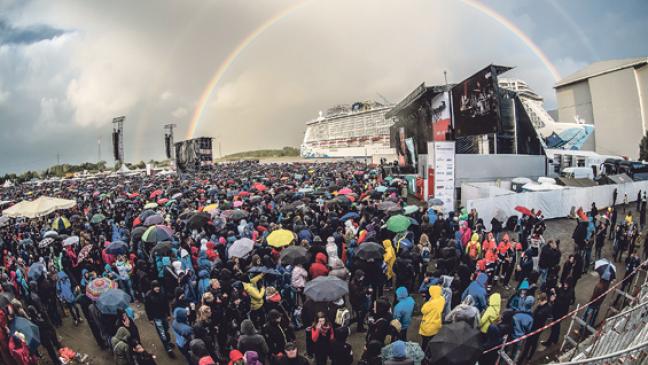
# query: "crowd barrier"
554,204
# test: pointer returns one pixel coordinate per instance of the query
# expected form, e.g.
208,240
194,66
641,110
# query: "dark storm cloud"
10,34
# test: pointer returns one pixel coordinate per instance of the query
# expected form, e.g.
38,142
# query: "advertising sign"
444,170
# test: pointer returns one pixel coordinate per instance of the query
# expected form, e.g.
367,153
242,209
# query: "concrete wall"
617,113
574,100
641,75
474,168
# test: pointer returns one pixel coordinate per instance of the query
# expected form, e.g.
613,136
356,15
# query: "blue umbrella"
28,329
36,270
112,300
350,215
117,248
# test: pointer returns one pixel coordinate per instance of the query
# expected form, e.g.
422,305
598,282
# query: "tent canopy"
42,206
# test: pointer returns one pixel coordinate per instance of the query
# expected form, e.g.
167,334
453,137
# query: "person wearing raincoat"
432,311
257,314
473,248
492,313
477,289
66,295
390,258
466,311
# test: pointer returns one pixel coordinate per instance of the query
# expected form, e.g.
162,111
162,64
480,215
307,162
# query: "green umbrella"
97,218
169,203
398,223
410,209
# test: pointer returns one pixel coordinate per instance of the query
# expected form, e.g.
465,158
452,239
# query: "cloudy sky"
68,67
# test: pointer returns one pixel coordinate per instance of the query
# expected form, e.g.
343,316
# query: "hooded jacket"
466,312
252,358
390,258
399,355
404,308
64,288
318,268
432,311
181,327
203,282
121,349
298,277
473,248
256,294
492,313
523,319
250,340
477,289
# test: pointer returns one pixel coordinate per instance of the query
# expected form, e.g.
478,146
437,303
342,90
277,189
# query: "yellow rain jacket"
492,313
256,294
473,248
432,312
390,258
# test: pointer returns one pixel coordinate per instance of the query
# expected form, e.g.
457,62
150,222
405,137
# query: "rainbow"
220,71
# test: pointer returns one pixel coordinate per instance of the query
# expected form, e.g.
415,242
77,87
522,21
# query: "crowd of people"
225,265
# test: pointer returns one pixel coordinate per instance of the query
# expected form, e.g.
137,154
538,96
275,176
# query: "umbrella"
111,300
293,255
524,210
153,220
162,201
389,207
70,241
146,213
235,214
155,193
84,252
117,248
176,196
137,232
61,223
210,208
4,221
412,351
605,269
197,221
345,191
326,289
5,299
263,270
280,238
435,202
97,218
259,187
51,234
152,205
157,233
28,329
186,215
398,223
170,203
99,286
350,215
240,248
456,343
45,242
381,188
162,249
370,251
410,209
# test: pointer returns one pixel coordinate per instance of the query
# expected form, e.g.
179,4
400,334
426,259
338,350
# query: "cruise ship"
347,131
567,136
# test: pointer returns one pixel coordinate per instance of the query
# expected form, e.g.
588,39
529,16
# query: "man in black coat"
541,315
156,306
563,297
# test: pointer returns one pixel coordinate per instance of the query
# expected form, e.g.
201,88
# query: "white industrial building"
613,95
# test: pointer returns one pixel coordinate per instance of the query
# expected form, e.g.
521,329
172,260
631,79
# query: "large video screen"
475,104
406,151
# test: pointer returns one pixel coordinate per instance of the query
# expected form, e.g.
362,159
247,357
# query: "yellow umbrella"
280,238
209,208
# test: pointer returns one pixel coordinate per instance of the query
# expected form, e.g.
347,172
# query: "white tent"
123,169
42,206
7,184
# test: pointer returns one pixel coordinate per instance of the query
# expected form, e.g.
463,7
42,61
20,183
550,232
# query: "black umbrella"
197,221
370,251
146,213
456,343
293,255
5,299
389,207
326,289
137,232
186,215
161,249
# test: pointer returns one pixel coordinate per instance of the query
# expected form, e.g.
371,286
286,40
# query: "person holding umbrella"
48,335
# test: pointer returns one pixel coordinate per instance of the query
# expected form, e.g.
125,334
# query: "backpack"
343,317
426,254
472,250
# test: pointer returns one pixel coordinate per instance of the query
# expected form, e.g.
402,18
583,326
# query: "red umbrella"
133,195
137,221
345,191
162,201
524,210
156,193
244,193
259,187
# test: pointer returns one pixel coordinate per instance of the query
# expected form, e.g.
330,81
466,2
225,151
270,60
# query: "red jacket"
318,268
21,355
